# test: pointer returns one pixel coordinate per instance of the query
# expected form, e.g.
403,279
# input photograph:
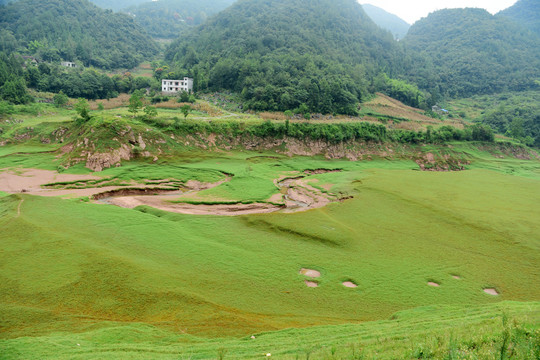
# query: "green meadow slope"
108,277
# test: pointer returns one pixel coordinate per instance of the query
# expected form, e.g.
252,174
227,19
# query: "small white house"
69,64
175,86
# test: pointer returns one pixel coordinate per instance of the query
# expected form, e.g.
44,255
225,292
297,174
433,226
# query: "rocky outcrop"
100,161
430,162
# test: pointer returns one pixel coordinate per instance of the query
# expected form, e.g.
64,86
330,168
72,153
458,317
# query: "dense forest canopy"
474,52
117,5
168,18
283,54
73,30
525,12
393,23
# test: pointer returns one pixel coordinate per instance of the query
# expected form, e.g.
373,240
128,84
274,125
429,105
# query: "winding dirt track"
296,194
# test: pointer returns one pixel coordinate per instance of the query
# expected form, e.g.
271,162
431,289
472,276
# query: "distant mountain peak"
388,21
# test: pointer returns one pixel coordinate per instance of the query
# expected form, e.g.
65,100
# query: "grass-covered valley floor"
83,279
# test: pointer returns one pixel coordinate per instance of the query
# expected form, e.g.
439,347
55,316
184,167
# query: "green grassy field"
75,270
80,280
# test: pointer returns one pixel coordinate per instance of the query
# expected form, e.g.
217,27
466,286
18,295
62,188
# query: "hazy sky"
413,10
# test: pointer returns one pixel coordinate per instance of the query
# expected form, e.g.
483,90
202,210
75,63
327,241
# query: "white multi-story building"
174,86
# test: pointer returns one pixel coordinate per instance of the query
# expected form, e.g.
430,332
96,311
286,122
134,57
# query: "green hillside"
281,54
516,115
397,26
56,30
524,12
474,52
168,18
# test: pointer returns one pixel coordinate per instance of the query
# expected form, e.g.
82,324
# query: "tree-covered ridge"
393,23
475,52
168,18
525,12
74,30
282,54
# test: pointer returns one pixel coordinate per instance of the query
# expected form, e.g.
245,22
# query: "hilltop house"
69,64
175,86
438,109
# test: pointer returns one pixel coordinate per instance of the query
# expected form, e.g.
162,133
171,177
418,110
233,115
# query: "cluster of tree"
524,12
73,30
521,123
280,54
338,133
167,19
403,91
12,84
473,52
75,83
85,83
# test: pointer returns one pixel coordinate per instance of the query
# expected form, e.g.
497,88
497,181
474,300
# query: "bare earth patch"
311,284
434,284
31,180
310,273
160,202
349,284
456,277
295,195
491,291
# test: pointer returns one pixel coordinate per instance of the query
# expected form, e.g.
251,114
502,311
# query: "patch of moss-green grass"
141,171
37,160
27,149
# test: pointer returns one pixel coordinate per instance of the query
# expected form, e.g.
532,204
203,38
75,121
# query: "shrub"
60,99
83,109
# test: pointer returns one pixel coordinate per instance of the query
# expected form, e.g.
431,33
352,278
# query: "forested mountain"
168,18
475,52
74,30
393,23
283,54
525,12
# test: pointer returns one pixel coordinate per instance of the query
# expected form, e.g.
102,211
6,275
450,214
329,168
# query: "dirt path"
31,180
19,208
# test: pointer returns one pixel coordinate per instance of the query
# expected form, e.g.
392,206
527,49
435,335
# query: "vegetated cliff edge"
102,144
